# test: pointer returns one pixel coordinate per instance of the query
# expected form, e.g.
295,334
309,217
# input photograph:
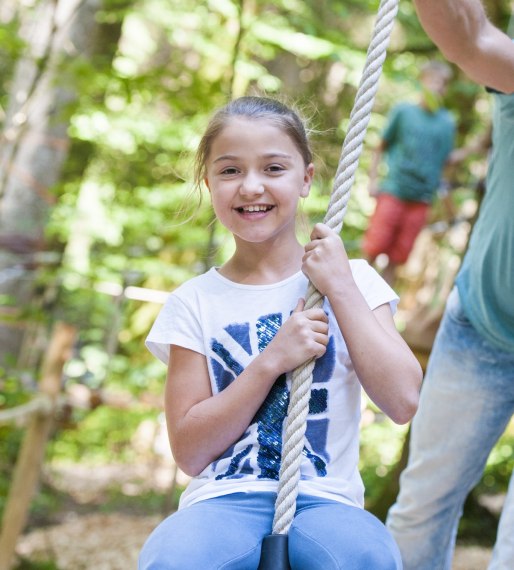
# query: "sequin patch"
267,327
270,419
318,401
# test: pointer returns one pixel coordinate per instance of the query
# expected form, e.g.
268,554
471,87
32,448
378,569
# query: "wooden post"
28,466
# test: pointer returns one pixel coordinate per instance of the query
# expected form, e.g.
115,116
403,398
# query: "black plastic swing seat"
274,554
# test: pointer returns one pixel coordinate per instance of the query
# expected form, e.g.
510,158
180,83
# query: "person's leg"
414,219
328,535
221,533
466,401
382,227
503,553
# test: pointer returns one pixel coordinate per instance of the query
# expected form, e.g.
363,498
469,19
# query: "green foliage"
12,393
26,564
381,444
11,47
500,465
101,436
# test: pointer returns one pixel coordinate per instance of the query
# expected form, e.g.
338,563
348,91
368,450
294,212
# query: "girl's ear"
206,182
307,180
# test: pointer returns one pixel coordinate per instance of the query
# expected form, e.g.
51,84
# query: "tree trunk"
36,144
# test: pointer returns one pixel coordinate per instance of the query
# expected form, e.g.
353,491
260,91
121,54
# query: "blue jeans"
227,532
466,402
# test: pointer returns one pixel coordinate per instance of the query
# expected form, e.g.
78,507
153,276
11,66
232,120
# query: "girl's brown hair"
252,108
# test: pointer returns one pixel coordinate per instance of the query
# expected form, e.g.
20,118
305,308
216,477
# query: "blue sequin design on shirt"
270,419
270,416
267,328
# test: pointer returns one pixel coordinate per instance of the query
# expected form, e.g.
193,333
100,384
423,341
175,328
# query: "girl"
230,336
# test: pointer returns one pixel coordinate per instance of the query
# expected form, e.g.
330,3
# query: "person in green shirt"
417,143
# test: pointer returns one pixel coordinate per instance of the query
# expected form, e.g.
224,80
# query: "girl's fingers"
320,231
321,338
316,315
318,326
321,348
309,247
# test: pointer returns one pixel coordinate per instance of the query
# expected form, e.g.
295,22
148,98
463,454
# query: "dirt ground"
111,541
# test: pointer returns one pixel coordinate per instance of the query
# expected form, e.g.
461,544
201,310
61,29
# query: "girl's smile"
253,211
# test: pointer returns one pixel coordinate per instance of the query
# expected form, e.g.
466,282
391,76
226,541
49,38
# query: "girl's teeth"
256,209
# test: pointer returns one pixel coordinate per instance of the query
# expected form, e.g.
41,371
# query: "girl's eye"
275,168
229,171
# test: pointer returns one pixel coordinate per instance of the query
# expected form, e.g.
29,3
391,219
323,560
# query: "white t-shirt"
230,324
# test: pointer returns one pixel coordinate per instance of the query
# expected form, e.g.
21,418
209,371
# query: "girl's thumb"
299,306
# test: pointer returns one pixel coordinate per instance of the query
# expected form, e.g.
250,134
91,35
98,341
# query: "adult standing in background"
467,398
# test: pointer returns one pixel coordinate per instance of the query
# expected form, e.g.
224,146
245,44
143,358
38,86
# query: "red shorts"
394,227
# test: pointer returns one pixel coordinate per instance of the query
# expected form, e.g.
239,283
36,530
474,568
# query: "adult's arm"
466,37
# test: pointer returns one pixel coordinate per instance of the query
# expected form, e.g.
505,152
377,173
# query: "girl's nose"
251,186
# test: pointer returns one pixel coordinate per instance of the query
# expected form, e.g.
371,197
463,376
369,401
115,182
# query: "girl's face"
256,176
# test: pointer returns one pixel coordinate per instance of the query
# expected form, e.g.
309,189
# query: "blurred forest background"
102,103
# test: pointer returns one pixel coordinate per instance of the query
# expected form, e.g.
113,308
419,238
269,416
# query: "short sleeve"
390,131
374,289
175,324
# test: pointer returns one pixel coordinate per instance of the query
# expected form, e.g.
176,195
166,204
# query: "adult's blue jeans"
226,533
467,400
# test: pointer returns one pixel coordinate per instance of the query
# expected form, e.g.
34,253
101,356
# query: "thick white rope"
292,452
